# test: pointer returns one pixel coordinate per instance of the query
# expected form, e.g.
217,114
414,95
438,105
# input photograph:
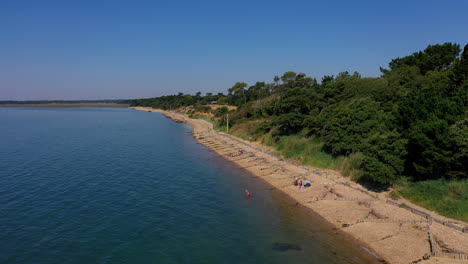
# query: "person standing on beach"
299,183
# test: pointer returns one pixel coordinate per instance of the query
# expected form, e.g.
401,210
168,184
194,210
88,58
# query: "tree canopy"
413,120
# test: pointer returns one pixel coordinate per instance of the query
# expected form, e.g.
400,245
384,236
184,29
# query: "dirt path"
392,232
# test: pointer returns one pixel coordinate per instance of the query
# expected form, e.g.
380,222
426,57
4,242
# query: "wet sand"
392,233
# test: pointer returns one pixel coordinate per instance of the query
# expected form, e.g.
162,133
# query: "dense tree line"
169,102
413,120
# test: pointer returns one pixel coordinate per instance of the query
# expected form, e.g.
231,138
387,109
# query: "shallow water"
124,186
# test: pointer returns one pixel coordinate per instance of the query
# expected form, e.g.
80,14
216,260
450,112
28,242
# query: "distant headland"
120,103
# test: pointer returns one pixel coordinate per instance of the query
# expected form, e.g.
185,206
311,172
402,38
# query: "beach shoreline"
392,233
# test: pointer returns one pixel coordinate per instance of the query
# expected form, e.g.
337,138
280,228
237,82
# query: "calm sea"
123,186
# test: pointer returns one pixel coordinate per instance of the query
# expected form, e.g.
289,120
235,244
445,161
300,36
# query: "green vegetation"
410,122
407,128
306,150
179,100
449,198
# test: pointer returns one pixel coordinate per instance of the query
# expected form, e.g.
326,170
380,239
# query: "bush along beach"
410,124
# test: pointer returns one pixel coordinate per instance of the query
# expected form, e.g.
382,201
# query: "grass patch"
245,130
394,195
350,165
268,140
308,151
448,198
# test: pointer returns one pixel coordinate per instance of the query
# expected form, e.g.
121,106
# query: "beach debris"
278,246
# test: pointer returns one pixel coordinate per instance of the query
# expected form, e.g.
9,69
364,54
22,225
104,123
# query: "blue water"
122,186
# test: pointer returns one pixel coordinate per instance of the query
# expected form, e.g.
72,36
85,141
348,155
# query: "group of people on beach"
236,154
302,185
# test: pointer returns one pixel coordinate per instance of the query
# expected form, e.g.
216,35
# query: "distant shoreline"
70,105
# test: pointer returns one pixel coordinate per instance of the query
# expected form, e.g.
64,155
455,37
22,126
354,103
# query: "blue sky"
135,49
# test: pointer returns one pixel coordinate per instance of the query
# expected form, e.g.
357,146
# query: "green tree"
460,69
424,117
222,111
276,79
458,136
384,157
239,87
327,79
348,125
288,76
291,110
198,97
434,57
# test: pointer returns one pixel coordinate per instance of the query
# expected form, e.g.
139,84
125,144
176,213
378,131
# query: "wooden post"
227,123
431,242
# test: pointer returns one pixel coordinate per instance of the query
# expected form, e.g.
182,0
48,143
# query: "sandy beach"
388,228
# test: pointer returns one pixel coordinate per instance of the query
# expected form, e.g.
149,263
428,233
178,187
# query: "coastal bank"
395,231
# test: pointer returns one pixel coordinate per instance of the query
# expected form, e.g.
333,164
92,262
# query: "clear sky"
134,49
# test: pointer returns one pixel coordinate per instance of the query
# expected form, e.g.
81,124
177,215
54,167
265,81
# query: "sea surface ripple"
121,186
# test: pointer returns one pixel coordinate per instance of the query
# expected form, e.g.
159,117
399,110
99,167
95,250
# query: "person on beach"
299,183
247,194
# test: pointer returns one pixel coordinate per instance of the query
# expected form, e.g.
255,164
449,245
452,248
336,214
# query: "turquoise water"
124,186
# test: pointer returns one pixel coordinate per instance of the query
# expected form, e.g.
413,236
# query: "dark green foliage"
289,123
411,121
460,69
424,116
458,144
362,126
350,124
384,157
239,88
290,113
222,111
176,101
201,108
434,57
